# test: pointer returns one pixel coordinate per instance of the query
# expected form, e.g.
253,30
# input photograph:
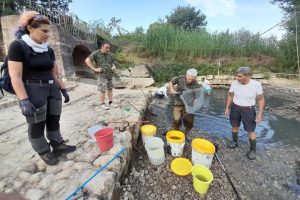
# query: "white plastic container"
176,140
176,149
148,131
92,130
155,150
202,152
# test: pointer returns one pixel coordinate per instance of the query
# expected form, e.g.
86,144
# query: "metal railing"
68,22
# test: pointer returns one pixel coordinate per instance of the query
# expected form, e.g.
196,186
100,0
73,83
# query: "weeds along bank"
164,44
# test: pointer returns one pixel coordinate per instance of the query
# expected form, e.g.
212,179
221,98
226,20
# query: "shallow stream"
273,130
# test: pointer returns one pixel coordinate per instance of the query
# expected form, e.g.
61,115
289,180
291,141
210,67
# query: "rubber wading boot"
234,143
61,148
49,158
252,153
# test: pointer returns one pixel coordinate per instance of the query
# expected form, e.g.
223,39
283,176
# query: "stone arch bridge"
70,49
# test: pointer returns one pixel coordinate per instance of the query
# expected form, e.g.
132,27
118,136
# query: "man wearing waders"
241,97
183,82
35,80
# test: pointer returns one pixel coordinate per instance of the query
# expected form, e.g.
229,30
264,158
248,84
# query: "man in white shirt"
242,97
162,92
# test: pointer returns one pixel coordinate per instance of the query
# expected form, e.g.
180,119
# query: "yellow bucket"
181,166
202,152
202,177
148,131
175,136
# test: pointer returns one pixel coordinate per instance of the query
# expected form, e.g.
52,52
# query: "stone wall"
62,44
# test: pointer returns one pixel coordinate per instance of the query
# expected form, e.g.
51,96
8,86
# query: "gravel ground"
272,176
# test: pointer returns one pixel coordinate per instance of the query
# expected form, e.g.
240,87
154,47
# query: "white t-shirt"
206,84
245,95
162,91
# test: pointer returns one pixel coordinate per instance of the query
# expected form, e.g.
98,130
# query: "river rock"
34,194
101,184
47,181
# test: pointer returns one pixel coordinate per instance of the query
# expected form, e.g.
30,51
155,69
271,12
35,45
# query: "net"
193,99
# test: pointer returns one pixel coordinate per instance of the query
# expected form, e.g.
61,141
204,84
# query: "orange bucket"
104,138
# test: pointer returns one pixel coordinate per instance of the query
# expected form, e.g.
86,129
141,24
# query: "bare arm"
114,68
15,73
91,65
172,88
228,103
56,77
261,107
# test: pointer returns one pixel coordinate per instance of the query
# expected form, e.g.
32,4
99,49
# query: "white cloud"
215,7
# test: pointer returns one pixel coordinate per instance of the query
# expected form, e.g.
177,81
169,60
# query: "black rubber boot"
49,158
252,153
61,148
234,143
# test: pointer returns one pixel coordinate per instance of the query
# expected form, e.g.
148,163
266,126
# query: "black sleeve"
15,52
52,54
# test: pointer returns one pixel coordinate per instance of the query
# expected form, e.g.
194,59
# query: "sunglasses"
37,17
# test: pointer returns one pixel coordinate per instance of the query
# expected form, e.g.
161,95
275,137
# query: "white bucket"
145,138
176,140
176,148
202,159
155,150
92,130
202,152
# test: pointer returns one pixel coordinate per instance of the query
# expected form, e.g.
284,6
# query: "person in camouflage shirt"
179,113
102,62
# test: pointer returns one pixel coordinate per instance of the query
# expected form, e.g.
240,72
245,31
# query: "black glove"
27,107
65,94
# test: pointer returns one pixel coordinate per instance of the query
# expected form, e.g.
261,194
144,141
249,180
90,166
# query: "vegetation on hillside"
180,41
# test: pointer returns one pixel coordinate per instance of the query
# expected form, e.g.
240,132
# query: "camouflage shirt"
182,85
103,60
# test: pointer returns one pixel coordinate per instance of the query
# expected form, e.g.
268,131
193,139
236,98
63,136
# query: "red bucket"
104,138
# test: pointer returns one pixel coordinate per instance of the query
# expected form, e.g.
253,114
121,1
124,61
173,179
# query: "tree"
286,5
292,10
60,6
139,30
9,7
289,7
114,25
187,18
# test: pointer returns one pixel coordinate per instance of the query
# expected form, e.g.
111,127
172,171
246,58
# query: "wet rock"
276,185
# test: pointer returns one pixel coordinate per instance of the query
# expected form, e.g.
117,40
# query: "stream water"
273,130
